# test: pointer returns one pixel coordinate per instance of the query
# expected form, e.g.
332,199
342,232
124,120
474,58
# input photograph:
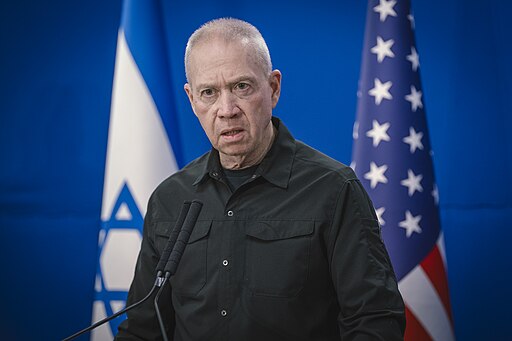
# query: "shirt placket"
231,262
228,265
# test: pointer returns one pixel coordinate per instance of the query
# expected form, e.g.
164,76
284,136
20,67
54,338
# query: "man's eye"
207,92
242,86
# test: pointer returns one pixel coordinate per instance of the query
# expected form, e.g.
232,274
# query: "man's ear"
190,95
275,84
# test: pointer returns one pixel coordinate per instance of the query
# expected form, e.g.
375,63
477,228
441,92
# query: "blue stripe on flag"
145,35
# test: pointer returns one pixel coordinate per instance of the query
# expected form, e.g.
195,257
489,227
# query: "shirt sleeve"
141,323
371,307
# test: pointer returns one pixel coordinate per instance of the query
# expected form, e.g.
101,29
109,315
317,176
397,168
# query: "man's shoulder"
170,194
319,162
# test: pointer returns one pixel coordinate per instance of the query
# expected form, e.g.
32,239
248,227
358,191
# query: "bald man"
287,246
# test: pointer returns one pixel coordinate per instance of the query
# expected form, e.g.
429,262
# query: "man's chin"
233,152
233,149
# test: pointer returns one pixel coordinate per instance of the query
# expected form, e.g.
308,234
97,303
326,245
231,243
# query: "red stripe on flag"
414,330
433,266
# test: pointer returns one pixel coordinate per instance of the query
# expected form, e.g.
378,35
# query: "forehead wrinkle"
223,71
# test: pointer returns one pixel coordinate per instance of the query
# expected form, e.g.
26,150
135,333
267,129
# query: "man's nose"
228,105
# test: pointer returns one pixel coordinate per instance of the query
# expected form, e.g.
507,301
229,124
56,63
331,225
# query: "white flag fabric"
139,154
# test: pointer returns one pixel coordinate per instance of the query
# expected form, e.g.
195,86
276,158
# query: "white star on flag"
411,224
414,140
378,132
353,165
355,130
376,174
435,194
380,211
383,49
385,8
412,182
415,98
380,90
411,19
414,58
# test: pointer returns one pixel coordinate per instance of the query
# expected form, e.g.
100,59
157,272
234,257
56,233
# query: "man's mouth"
231,132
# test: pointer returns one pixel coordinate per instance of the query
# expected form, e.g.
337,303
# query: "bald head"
230,31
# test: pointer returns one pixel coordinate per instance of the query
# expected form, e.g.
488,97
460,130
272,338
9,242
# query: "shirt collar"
275,167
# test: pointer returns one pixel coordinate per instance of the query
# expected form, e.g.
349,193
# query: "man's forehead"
217,45
230,61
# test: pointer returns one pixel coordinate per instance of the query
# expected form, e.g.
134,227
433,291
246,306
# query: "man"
287,246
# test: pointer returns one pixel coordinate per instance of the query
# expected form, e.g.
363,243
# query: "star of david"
124,201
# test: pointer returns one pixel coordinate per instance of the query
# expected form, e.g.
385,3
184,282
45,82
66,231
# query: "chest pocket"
277,257
190,276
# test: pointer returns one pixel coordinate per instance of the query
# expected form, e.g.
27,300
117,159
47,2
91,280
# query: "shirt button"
223,313
230,213
215,174
254,176
225,262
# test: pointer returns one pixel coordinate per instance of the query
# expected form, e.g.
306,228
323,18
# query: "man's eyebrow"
203,86
232,82
243,78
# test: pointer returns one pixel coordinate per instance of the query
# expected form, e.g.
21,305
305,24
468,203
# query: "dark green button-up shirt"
294,253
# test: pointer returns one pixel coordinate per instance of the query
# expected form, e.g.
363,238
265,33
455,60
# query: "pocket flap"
279,229
200,230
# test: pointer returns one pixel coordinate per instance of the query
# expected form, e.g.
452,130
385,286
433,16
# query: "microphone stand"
158,283
160,280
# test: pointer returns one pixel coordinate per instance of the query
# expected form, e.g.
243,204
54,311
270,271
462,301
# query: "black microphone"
183,237
176,254
172,238
159,269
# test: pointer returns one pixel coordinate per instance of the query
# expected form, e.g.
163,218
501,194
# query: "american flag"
393,158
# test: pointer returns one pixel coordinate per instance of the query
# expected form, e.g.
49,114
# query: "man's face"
233,98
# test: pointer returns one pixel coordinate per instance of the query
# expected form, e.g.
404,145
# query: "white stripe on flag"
422,299
101,333
139,151
442,250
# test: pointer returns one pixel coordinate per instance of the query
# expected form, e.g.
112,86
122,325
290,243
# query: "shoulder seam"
330,169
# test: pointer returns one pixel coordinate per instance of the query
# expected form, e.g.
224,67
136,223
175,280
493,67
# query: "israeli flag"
139,154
